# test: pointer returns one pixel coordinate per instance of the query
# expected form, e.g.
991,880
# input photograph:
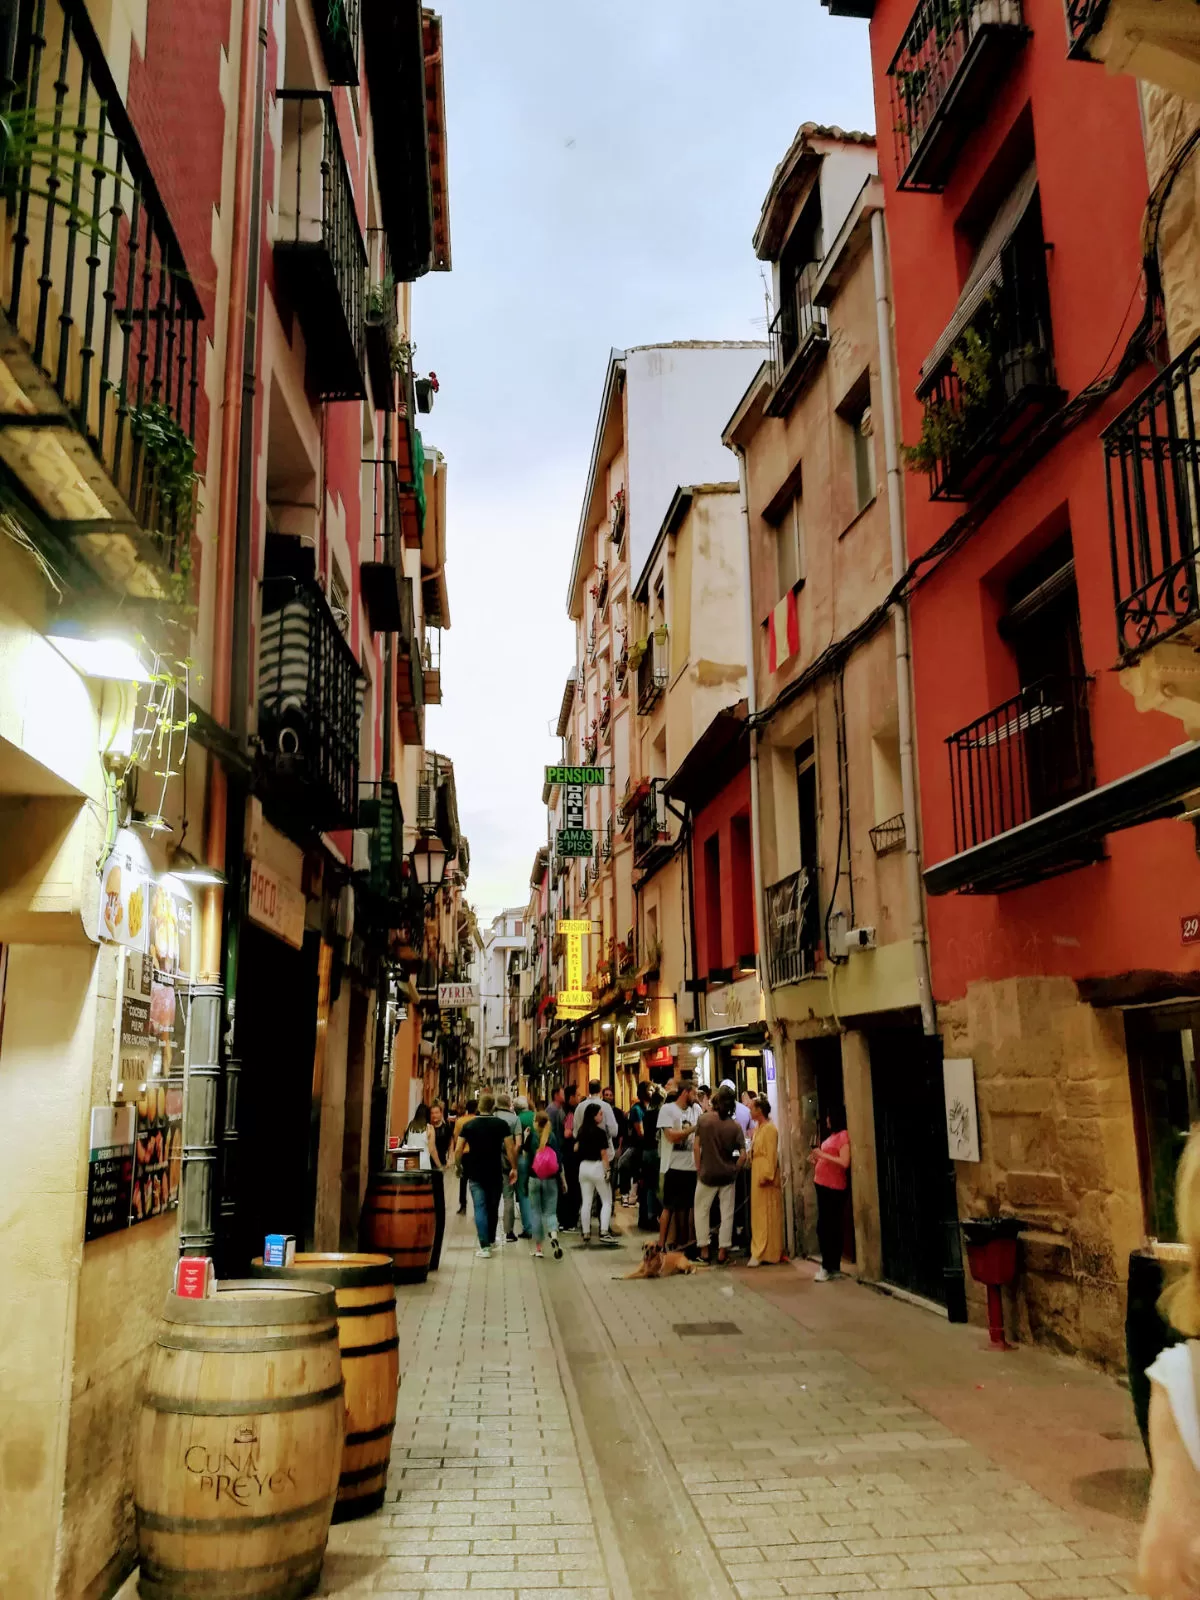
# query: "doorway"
1162,1044
276,1037
913,1161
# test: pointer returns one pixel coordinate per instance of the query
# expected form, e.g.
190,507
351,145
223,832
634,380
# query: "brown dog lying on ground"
660,1263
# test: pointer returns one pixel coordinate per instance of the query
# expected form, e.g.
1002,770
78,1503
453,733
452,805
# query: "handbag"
545,1163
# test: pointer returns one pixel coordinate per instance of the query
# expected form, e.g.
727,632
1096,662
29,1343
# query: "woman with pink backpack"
545,1178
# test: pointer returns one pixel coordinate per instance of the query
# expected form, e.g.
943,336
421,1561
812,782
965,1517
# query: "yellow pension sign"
573,926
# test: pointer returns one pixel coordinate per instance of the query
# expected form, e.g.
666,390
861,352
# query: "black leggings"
831,1206
439,1217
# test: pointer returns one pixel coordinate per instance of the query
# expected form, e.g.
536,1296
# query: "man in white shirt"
608,1118
676,1122
741,1110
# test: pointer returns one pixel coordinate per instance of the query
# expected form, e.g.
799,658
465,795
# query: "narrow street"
563,1433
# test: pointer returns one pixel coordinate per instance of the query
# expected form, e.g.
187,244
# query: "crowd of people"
569,1165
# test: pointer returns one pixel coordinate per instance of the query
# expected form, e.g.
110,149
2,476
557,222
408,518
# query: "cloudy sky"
607,161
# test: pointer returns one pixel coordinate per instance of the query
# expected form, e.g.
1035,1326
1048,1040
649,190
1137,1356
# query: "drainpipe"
253,33
760,901
895,498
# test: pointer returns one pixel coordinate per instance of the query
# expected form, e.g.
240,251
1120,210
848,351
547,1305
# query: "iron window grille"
792,929
653,673
100,305
651,823
1029,754
799,336
889,835
1152,456
950,57
319,244
988,424
309,705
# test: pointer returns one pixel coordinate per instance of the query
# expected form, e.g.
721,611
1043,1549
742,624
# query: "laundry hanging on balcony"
783,632
987,269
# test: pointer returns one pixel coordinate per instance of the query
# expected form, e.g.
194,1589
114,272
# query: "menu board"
110,1171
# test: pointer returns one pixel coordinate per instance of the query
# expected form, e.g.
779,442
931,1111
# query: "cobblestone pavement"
565,1434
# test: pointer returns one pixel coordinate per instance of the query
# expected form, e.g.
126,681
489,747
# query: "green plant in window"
170,484
948,425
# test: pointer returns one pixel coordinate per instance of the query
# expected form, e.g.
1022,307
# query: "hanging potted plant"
425,389
636,652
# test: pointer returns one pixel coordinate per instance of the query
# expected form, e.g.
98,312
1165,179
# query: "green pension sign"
575,842
592,776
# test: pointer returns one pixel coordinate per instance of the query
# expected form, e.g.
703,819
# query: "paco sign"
276,905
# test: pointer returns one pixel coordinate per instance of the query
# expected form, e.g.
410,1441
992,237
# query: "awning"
1150,794
712,1036
986,271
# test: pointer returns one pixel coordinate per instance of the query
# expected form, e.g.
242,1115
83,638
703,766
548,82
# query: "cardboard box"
279,1250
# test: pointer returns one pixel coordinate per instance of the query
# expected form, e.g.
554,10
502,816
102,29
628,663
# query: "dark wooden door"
913,1160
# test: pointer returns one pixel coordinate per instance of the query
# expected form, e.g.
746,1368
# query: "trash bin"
992,1258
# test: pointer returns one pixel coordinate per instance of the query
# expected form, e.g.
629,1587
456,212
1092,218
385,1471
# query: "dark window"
742,870
1166,1103
712,902
855,413
806,796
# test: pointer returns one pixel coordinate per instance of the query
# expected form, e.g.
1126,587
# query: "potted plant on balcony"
636,652
591,743
605,712
949,425
616,513
381,302
425,389
621,668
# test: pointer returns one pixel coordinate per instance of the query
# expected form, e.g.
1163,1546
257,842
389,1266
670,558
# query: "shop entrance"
824,1058
912,1158
276,1040
1162,1042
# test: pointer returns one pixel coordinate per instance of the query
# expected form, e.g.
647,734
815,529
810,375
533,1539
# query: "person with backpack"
545,1180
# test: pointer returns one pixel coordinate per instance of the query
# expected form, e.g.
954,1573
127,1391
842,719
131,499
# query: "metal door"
913,1160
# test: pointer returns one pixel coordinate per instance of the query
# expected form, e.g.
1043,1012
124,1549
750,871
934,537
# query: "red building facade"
1056,869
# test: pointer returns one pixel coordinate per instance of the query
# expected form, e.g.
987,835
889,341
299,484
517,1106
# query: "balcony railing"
384,583
606,841
319,246
793,929
380,332
653,674
1085,18
799,337
337,23
950,58
888,836
102,318
308,706
1153,457
981,402
1025,757
651,824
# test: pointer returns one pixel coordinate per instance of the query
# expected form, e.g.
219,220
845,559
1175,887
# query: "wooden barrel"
366,1312
398,1219
239,1443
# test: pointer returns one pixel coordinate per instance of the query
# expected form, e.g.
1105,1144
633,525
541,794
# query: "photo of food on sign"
123,890
158,1150
164,931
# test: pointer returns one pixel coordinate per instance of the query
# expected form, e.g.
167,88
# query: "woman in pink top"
831,1169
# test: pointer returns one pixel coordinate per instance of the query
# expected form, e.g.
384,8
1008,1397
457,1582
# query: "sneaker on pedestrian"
609,1238
538,1256
510,1238
483,1253
825,1277
556,1247
754,1262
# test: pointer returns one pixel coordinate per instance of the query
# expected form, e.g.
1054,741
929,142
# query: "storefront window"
1162,1055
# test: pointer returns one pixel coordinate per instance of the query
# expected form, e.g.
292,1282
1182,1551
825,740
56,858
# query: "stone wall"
1057,1150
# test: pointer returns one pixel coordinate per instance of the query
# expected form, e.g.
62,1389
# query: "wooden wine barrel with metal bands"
239,1443
398,1217
366,1312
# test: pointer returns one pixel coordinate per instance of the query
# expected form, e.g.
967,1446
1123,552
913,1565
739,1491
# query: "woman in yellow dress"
766,1190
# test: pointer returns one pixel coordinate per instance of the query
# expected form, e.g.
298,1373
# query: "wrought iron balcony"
309,690
1152,454
1084,21
386,590
337,23
319,249
987,392
653,673
799,337
380,331
410,687
652,834
888,836
99,341
432,658
951,56
793,929
606,841
1021,759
